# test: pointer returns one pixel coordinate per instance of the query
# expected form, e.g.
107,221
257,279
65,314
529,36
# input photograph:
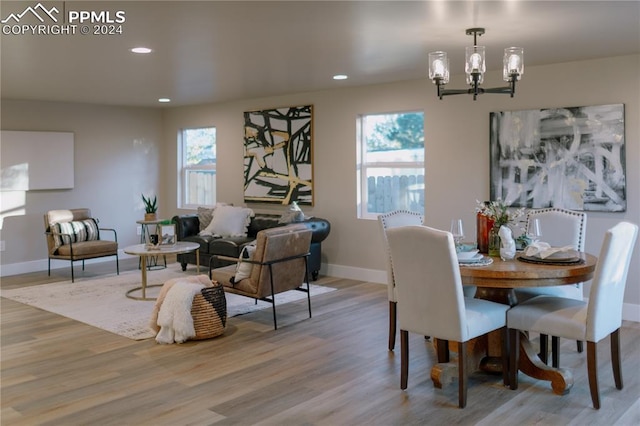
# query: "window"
390,163
197,166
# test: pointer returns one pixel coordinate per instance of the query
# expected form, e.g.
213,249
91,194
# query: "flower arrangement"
499,212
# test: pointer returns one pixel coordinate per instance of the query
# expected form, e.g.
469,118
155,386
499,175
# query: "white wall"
121,152
457,151
117,157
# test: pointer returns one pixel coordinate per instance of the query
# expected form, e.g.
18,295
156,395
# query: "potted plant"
150,208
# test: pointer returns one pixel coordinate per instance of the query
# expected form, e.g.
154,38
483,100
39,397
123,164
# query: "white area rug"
101,302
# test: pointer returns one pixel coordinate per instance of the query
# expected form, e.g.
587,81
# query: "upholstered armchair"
431,301
387,221
74,235
560,227
591,321
278,264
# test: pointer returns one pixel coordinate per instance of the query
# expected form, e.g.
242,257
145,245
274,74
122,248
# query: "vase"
150,217
483,226
494,241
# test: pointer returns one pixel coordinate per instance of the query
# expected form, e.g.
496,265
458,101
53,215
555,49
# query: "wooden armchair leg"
615,358
592,370
404,358
544,348
442,350
392,325
506,368
555,351
514,357
462,374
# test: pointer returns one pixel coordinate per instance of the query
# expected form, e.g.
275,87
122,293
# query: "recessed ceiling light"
164,100
340,77
141,50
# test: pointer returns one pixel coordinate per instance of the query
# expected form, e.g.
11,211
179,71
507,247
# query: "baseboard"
352,273
630,311
41,265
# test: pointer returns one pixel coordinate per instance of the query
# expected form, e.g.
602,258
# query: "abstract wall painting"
278,155
571,158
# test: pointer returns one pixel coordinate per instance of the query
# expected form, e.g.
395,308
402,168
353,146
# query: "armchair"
279,265
387,221
591,321
74,235
560,227
431,301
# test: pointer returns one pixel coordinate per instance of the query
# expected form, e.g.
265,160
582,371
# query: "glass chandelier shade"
439,67
513,63
475,63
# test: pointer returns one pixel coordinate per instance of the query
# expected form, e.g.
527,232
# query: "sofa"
188,229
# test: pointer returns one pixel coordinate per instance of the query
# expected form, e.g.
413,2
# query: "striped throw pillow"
78,230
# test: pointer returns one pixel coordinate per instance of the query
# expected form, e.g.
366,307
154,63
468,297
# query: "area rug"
101,302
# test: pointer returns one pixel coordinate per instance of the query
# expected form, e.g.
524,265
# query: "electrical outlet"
2,245
138,230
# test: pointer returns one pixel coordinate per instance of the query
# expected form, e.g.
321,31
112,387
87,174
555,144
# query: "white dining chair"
589,321
560,227
387,221
431,301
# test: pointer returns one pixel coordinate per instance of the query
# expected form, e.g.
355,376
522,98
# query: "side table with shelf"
145,238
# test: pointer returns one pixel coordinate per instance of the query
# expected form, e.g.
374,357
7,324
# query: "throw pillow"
92,229
243,269
229,221
78,230
205,214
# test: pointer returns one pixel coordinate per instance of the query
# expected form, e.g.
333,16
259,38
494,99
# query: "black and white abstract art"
572,158
278,162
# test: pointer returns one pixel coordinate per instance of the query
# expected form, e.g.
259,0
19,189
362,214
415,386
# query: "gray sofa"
188,228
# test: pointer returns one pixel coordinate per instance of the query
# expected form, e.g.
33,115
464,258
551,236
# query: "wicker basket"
209,312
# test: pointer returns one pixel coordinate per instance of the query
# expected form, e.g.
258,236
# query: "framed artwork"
571,158
278,155
167,234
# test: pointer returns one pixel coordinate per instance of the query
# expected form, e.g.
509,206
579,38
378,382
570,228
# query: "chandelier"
475,67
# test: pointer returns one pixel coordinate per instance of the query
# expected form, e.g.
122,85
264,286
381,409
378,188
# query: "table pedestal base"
446,372
561,379
484,353
143,290
530,364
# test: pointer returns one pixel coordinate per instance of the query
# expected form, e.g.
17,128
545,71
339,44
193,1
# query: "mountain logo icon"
38,11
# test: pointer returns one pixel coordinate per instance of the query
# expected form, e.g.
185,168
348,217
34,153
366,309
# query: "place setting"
468,253
541,252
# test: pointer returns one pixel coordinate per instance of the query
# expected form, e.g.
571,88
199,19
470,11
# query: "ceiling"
215,51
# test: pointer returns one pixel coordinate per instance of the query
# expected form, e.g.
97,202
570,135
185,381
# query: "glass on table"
535,231
457,230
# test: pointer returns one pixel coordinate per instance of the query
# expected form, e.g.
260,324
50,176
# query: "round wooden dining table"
497,282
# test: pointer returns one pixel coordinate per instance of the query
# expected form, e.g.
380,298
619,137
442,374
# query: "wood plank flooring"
332,369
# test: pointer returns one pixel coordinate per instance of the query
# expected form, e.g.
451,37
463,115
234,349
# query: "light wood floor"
333,369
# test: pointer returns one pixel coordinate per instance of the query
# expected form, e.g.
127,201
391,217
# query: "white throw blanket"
174,319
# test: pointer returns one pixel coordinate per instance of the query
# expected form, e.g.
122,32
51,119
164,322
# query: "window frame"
363,166
184,170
